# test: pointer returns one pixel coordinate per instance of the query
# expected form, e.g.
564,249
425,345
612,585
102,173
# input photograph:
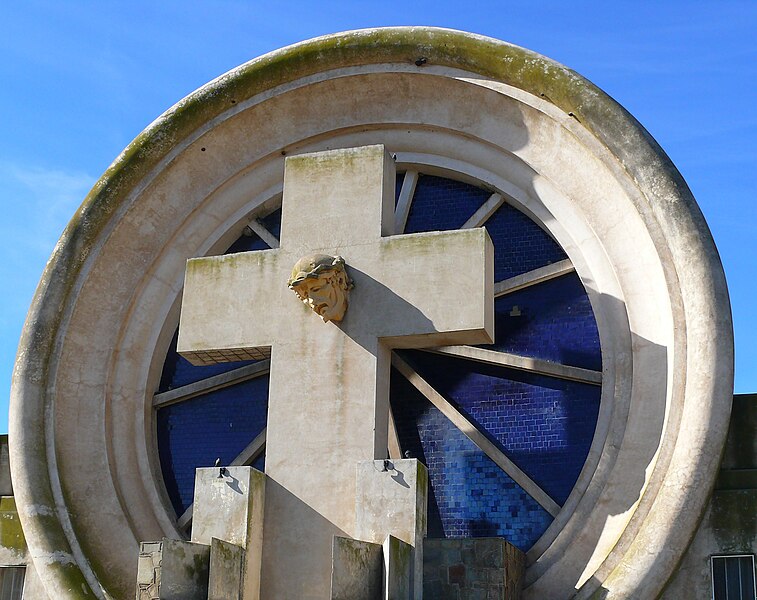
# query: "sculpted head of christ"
322,283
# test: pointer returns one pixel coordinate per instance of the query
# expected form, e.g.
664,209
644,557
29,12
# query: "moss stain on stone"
733,520
11,533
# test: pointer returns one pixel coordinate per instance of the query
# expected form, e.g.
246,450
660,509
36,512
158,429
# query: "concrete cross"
329,382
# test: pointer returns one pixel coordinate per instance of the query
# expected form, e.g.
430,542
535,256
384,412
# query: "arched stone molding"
82,431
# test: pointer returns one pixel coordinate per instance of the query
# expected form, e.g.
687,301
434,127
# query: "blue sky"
79,80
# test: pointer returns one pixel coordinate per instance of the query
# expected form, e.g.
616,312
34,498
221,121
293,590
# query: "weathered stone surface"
226,571
172,570
472,569
149,569
356,569
399,571
391,500
229,506
12,542
13,549
729,526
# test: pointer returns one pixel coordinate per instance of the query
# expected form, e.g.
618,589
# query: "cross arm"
426,289
230,306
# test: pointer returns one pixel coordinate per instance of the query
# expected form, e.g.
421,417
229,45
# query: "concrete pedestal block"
172,570
398,569
469,569
391,500
226,571
356,570
228,506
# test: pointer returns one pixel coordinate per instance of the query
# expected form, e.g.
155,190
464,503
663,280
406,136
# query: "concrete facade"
545,139
729,525
226,578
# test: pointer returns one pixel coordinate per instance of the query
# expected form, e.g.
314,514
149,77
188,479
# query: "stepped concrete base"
403,486
227,563
172,570
399,571
356,570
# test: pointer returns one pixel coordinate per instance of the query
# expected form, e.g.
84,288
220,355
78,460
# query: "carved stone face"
322,283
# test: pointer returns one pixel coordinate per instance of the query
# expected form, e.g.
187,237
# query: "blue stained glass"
196,432
398,187
469,495
272,223
552,321
544,425
441,204
259,463
520,245
247,243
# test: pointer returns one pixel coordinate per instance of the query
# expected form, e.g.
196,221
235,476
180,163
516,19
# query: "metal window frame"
25,568
726,556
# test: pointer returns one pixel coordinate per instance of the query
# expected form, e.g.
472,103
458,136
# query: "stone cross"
329,381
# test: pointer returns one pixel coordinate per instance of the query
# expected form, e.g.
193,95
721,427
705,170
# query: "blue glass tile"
441,204
555,323
469,495
247,244
544,425
195,433
520,245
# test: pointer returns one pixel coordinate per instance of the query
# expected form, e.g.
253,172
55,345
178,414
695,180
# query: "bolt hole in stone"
202,149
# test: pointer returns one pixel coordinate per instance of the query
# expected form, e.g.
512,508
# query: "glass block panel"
520,245
272,223
398,187
178,371
552,321
544,425
441,204
469,495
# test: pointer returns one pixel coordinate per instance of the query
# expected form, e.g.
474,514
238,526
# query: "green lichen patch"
11,533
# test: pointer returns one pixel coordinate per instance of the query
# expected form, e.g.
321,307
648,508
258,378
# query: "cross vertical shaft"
328,395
